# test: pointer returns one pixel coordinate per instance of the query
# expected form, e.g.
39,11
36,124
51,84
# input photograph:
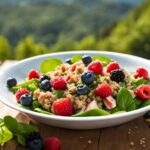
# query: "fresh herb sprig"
10,128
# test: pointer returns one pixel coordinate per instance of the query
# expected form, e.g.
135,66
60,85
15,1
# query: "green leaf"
125,101
21,139
103,59
139,81
114,110
145,103
92,112
5,135
58,93
119,112
42,111
35,104
25,84
50,65
11,124
76,58
26,128
138,102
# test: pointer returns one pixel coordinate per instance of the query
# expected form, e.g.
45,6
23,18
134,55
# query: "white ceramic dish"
20,70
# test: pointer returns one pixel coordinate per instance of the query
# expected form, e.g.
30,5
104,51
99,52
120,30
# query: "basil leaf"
58,93
92,112
42,111
5,135
139,81
50,65
21,139
145,103
11,124
103,59
76,58
26,128
125,101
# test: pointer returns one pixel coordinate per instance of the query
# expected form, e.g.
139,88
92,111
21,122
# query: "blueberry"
87,77
68,61
35,144
46,85
86,59
26,99
147,115
83,90
11,82
44,77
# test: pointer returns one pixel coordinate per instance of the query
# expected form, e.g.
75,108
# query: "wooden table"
134,135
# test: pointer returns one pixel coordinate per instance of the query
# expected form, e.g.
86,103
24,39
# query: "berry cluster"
34,141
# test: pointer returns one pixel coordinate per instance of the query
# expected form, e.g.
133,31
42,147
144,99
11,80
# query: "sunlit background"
33,27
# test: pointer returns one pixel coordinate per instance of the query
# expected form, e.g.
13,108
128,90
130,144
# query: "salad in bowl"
82,86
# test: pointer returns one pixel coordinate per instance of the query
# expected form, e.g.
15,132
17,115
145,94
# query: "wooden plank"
126,136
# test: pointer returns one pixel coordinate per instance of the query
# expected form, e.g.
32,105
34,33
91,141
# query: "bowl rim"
71,118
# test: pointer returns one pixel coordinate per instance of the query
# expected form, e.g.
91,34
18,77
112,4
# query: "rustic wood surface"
134,135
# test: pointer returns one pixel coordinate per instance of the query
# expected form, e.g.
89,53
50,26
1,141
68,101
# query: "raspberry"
63,107
96,67
33,74
52,143
21,92
143,92
112,66
141,72
103,90
59,83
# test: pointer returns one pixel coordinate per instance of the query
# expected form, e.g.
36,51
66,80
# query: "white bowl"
19,71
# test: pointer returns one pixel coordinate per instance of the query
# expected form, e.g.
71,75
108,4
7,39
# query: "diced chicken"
110,102
92,105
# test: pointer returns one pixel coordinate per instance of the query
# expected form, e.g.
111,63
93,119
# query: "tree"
27,48
5,50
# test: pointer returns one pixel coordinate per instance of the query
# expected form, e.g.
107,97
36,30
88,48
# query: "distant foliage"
132,35
5,49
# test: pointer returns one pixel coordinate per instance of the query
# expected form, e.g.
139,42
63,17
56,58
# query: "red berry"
21,92
103,90
141,72
96,67
63,107
52,143
112,66
59,83
143,92
33,74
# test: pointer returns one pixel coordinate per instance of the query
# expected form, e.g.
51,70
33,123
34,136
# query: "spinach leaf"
103,59
50,65
21,139
76,58
26,128
145,103
25,84
119,112
125,101
139,81
58,93
11,124
42,111
92,112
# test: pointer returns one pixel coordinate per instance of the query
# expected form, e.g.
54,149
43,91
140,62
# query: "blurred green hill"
130,35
